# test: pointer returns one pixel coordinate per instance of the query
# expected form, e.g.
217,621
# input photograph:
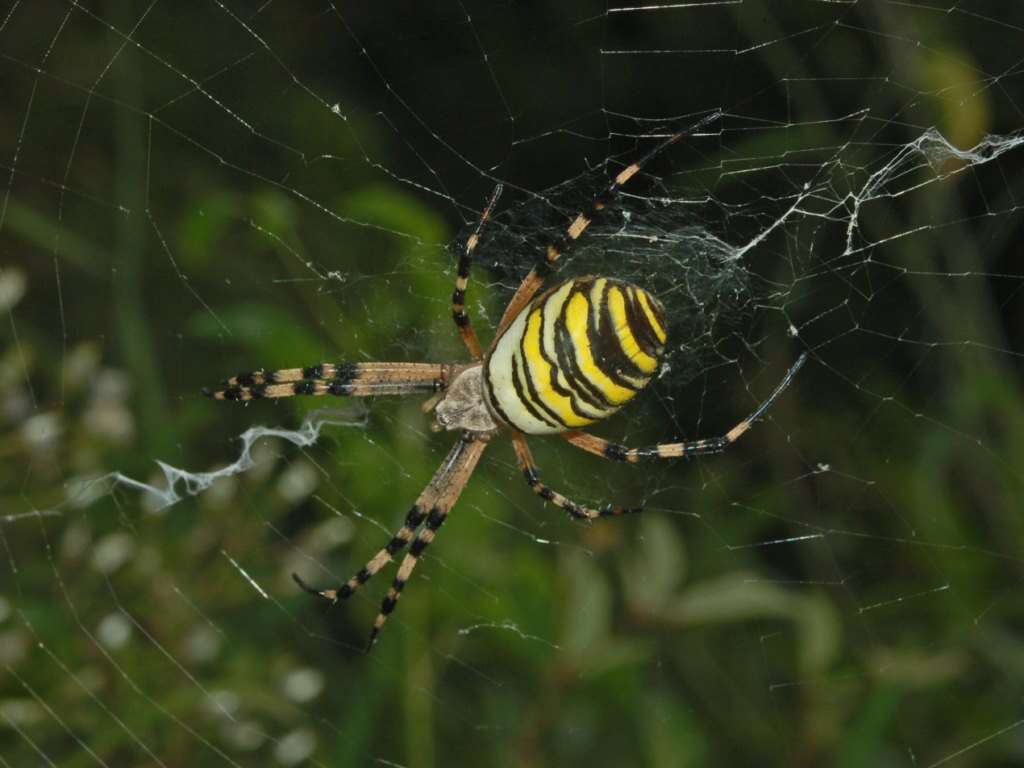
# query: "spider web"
192,189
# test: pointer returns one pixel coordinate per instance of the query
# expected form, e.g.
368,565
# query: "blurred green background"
188,190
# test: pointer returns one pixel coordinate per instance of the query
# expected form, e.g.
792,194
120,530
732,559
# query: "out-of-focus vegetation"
877,629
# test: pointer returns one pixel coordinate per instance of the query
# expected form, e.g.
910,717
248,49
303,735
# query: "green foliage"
809,598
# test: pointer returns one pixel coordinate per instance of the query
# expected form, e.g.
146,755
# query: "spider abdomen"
574,355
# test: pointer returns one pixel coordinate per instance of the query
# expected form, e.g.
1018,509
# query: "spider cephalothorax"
463,406
560,360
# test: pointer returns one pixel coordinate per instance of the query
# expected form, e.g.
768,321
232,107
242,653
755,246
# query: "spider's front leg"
430,510
341,380
450,480
403,536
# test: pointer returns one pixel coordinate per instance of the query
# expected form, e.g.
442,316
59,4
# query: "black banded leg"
580,512
440,493
554,251
616,452
601,447
459,314
343,380
455,472
398,541
434,522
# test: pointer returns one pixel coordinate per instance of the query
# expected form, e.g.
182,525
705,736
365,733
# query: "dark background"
191,189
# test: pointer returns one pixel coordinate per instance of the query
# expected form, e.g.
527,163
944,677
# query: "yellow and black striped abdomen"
574,355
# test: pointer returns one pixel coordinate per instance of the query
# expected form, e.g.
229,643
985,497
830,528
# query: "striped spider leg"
342,380
580,512
459,314
616,452
608,450
546,263
431,510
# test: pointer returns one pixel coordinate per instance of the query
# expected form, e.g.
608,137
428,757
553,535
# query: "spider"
560,361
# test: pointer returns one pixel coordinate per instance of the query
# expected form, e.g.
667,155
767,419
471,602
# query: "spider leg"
424,509
345,380
546,264
529,469
616,452
402,537
462,280
449,481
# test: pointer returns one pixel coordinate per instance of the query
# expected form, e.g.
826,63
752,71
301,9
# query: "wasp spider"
560,361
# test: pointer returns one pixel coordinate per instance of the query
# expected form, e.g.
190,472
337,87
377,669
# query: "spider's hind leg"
608,450
580,512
